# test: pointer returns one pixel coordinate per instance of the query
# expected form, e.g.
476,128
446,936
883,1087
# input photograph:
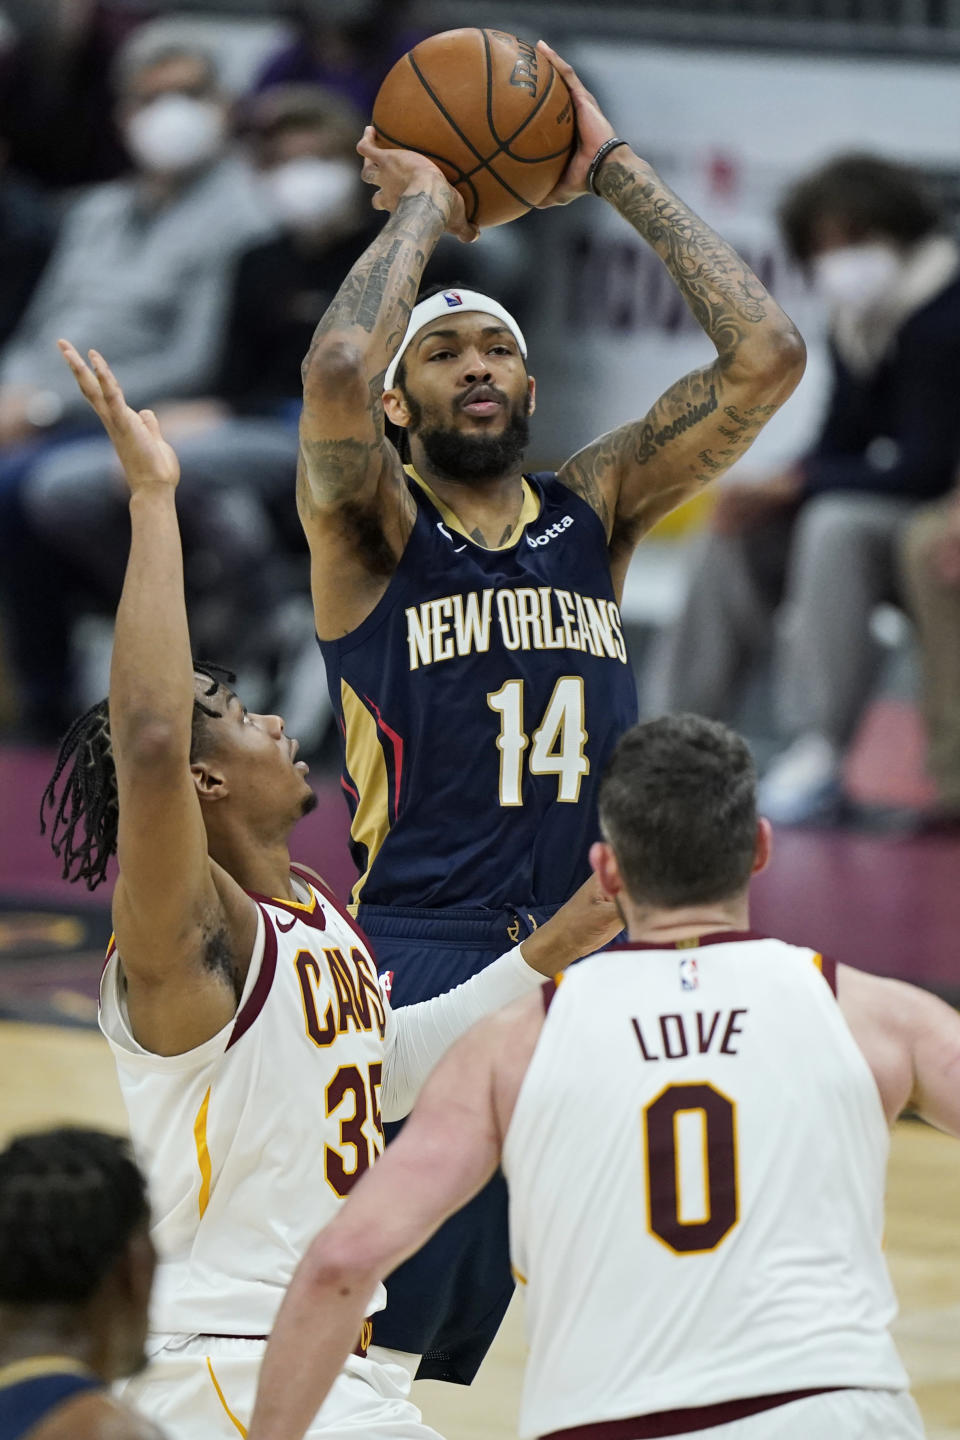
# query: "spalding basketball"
490,110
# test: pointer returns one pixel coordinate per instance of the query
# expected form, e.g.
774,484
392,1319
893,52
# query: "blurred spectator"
931,563
238,445
55,98
141,270
27,229
345,45
824,534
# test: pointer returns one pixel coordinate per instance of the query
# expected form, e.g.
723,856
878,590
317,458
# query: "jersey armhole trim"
257,998
549,989
828,969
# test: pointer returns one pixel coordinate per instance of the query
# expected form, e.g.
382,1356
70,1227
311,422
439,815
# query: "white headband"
448,303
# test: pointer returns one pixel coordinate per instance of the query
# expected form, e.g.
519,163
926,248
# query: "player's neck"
652,925
487,510
256,864
46,1333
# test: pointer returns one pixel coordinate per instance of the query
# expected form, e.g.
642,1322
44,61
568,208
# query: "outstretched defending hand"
397,173
146,457
593,128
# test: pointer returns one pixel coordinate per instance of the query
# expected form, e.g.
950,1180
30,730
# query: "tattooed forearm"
379,292
705,421
723,293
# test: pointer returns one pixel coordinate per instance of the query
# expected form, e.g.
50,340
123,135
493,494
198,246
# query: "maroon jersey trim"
323,889
694,942
258,995
680,1422
311,914
111,948
828,969
548,990
361,1347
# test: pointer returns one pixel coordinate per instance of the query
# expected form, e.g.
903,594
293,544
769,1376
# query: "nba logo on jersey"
452,299
688,974
386,982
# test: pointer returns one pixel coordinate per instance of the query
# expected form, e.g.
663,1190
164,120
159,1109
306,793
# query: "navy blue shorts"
447,1301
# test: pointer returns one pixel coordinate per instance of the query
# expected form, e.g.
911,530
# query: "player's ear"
605,867
763,847
395,408
209,781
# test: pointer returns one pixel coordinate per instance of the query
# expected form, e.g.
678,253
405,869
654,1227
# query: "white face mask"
310,191
175,132
856,276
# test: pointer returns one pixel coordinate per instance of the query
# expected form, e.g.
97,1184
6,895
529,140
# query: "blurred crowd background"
179,187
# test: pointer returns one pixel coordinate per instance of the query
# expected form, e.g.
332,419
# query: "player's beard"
457,456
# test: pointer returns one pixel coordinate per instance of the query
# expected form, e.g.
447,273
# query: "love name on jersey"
673,1036
527,618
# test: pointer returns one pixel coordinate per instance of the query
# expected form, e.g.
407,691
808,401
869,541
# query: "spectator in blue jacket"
824,534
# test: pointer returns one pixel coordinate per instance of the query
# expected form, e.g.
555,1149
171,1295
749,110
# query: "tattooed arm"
353,503
634,475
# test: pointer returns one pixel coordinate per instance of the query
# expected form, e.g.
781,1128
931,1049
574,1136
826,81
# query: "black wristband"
599,158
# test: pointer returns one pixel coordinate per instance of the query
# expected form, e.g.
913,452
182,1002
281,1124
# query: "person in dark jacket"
824,535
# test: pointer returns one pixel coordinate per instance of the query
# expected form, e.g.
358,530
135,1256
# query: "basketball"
489,110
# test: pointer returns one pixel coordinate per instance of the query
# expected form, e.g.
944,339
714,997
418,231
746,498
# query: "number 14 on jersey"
556,745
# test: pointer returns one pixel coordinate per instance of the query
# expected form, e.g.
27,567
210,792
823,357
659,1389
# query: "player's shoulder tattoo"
592,474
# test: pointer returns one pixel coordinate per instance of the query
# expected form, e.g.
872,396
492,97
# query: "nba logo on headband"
441,304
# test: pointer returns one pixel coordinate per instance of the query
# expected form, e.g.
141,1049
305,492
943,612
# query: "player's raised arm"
167,907
353,504
705,421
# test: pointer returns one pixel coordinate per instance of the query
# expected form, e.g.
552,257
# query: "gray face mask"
175,132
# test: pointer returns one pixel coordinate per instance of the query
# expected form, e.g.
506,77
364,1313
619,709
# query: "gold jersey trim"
368,770
220,1396
529,511
203,1154
35,1366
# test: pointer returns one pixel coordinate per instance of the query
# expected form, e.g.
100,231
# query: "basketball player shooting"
468,612
694,1130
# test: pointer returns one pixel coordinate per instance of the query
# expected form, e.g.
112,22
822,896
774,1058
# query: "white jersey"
697,1164
251,1141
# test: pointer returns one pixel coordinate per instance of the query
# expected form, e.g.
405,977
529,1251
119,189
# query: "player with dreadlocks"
76,1266
256,1054
88,797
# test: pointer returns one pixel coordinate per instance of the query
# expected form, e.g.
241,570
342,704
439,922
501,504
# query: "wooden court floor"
53,1075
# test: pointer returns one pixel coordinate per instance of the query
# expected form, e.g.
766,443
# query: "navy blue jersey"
30,1390
478,705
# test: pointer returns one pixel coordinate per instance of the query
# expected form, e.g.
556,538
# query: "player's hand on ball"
593,128
146,457
396,173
